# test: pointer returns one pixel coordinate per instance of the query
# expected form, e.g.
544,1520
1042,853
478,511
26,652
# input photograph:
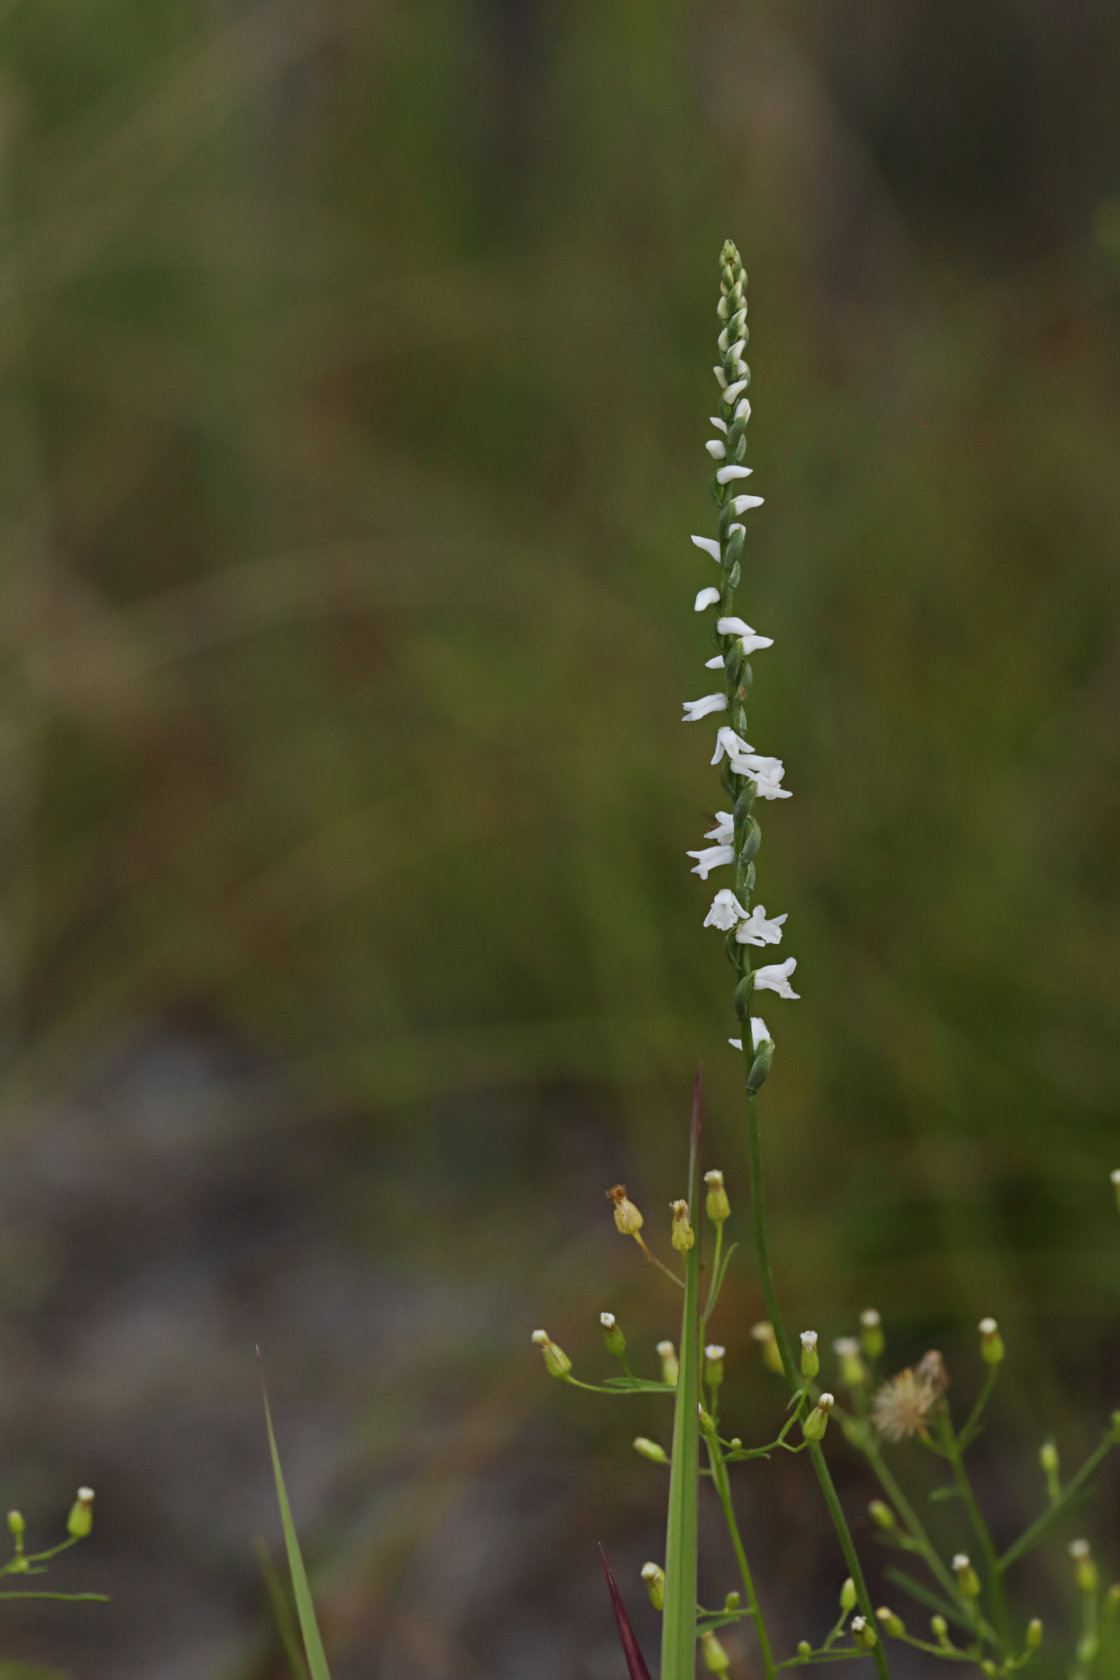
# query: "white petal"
742,504
715,664
726,474
733,627
733,391
735,1043
715,449
759,1031
774,977
709,545
694,710
706,598
724,829
725,910
709,858
733,745
720,425
721,377
743,409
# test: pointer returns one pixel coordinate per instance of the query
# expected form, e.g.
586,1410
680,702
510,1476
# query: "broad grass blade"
305,1609
635,1662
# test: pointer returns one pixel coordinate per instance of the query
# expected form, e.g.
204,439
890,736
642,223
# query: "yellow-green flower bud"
670,1365
939,1627
891,1623
16,1526
991,1342
556,1361
713,1364
1087,1578
1048,1457
80,1520
716,1204
732,1602
853,1372
810,1359
627,1219
968,1581
1034,1634
650,1449
763,1334
716,1659
871,1332
707,1422
848,1595
612,1335
683,1235
816,1423
654,1577
1115,1177
882,1516
863,1633
989,1669
804,1649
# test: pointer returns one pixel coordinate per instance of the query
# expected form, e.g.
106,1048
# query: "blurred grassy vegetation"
354,382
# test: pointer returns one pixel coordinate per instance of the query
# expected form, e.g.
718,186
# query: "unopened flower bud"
612,1335
853,1372
991,1342
882,1516
716,1659
16,1525
816,1423
713,1363
707,1422
80,1520
863,1633
967,1579
654,1577
763,1334
1048,1457
1034,1634
670,1365
848,1595
683,1235
810,1359
627,1219
804,1649
939,1627
892,1624
732,1602
1087,1577
1115,1177
650,1449
556,1361
871,1332
716,1204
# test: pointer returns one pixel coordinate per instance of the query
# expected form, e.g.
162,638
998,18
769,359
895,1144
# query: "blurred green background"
355,372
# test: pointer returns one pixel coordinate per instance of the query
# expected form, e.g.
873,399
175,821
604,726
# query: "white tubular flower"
725,911
766,773
774,977
724,831
750,638
733,745
709,545
707,598
743,504
721,378
716,449
770,787
712,857
760,1034
758,930
743,410
733,391
694,710
714,664
720,425
726,475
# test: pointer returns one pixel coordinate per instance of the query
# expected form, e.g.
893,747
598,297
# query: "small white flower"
846,1346
724,831
607,1320
720,425
743,504
716,449
715,663
712,857
733,745
760,1034
758,930
743,410
732,528
723,341
809,1339
961,1561
733,391
725,910
694,710
721,377
766,773
713,1351
774,977
750,639
770,787
710,546
737,348
726,474
706,598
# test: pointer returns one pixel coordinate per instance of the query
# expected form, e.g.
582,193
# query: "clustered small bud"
650,1449
683,1235
612,1335
810,1359
991,1342
80,1520
670,1365
763,1334
716,1659
707,1423
556,1361
892,1624
863,1633
16,1527
732,1601
853,1372
1087,1577
1034,1633
882,1516
871,1332
716,1204
654,1577
939,1627
804,1649
713,1363
816,1423
848,1595
967,1579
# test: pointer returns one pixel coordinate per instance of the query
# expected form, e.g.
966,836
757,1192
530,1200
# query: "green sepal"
733,548
734,662
743,802
752,840
739,719
741,1001
734,574
727,779
733,951
760,1067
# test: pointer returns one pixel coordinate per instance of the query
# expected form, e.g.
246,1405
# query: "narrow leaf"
305,1609
638,1385
281,1613
635,1662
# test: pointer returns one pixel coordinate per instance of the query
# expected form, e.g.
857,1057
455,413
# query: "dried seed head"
903,1405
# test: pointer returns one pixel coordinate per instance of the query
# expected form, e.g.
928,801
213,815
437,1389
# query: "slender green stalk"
1032,1535
678,1622
924,1545
992,1564
722,1486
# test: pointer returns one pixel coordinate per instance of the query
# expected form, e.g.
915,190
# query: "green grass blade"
678,1626
281,1614
305,1609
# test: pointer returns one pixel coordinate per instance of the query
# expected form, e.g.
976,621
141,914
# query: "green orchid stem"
980,1528
723,1491
770,1295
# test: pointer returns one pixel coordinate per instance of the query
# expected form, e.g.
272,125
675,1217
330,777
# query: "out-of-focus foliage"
354,381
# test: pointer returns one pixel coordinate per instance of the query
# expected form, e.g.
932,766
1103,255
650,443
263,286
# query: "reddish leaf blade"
635,1662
